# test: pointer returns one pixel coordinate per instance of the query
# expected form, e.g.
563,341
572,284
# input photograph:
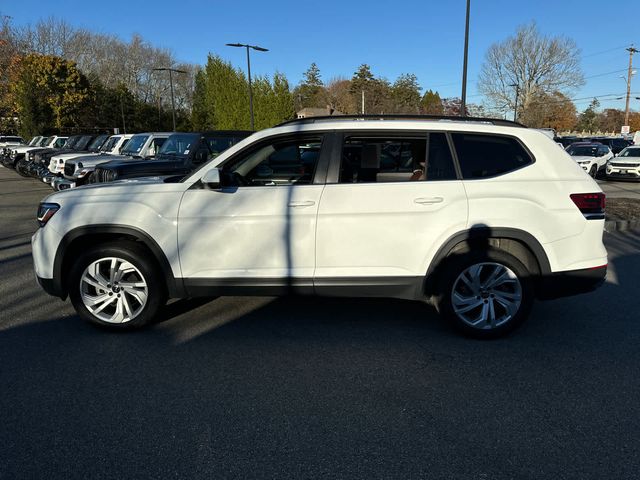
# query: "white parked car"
625,165
478,217
592,157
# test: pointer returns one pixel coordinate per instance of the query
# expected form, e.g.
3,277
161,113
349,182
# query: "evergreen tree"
588,120
405,93
431,103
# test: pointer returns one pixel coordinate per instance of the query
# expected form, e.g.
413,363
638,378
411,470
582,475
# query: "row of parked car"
68,162
612,158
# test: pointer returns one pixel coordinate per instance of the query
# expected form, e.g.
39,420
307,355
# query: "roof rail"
451,118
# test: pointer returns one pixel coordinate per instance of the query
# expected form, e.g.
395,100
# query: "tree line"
54,76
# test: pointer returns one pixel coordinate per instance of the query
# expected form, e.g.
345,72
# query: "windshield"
630,152
71,141
82,143
44,142
135,144
109,144
97,143
35,141
586,151
178,145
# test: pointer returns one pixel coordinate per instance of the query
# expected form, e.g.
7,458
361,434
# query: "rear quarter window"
482,156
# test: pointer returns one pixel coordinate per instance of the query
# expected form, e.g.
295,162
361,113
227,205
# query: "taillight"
590,204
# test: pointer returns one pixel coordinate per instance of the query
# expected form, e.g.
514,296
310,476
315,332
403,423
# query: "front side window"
482,156
380,159
284,162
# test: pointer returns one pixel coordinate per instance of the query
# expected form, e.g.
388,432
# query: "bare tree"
528,65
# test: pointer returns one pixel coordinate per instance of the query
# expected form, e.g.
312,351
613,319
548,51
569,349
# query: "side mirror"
211,179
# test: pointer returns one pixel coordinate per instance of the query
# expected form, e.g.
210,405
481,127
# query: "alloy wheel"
113,290
486,295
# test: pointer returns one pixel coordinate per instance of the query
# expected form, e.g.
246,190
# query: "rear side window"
380,159
482,156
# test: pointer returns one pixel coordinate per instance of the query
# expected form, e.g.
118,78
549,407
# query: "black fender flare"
175,286
485,232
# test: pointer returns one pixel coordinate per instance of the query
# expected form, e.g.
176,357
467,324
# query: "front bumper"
571,282
620,174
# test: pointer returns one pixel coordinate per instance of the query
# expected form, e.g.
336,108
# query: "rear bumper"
571,282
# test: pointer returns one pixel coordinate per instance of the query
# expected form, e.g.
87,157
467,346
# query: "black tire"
594,171
21,168
142,261
456,264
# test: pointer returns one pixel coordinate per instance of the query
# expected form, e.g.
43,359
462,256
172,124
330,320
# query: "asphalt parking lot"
314,388
620,189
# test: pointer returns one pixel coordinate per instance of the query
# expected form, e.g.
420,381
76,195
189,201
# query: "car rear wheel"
116,285
486,295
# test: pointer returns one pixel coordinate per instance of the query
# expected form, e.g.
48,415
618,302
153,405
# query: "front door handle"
302,203
428,200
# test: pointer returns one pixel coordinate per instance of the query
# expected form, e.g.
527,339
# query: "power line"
604,51
604,74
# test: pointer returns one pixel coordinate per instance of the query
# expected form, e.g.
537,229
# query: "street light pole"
173,103
463,101
259,49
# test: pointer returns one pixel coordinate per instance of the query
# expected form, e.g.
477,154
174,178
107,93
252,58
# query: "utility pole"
173,104
362,102
124,125
631,51
515,110
463,100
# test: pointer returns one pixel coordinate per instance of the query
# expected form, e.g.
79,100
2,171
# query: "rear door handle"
428,200
302,203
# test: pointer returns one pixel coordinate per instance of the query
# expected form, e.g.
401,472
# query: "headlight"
46,211
83,172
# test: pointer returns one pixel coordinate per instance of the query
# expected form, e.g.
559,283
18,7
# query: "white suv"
477,216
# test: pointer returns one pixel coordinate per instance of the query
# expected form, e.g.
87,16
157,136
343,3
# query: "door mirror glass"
211,179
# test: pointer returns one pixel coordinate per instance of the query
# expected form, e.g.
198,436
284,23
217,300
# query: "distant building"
317,112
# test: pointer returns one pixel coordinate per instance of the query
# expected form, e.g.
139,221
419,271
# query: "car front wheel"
116,285
486,295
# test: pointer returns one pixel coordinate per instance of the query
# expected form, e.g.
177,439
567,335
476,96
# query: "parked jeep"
142,145
37,162
56,163
181,154
16,154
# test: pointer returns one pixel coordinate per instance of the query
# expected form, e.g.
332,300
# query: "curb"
621,225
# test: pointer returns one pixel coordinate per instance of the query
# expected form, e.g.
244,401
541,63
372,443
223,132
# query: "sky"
403,36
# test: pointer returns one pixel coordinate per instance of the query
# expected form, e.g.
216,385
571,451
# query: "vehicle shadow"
235,385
